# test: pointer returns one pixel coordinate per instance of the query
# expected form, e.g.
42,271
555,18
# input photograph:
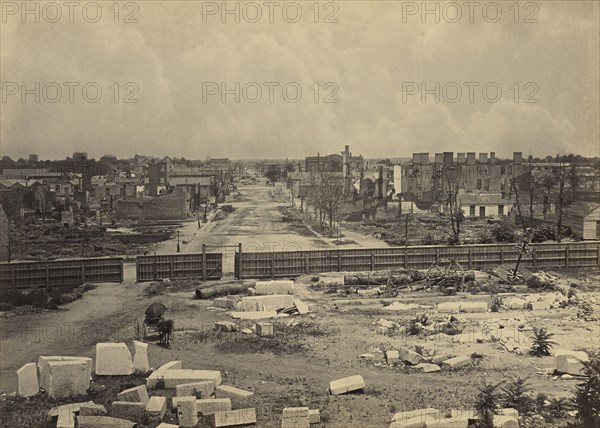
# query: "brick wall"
167,207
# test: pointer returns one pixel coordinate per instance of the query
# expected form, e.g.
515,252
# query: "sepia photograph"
300,214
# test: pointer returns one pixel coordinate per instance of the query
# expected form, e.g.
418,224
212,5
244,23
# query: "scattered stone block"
233,393
253,315
223,302
103,422
266,303
570,362
128,410
473,307
226,326
410,356
156,407
166,425
187,413
515,303
506,418
67,378
204,388
140,358
314,416
274,287
75,407
448,307
301,306
439,359
113,359
264,328
66,417
174,377
27,380
92,409
392,356
428,367
138,394
43,367
234,417
411,414
425,350
208,406
171,365
382,330
295,417
347,384
456,362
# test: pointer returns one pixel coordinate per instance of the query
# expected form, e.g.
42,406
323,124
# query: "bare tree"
451,184
326,194
567,181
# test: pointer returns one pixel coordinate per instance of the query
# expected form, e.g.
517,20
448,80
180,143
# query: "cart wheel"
137,329
144,332
446,273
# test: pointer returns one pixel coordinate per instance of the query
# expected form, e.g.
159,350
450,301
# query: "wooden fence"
184,265
296,263
71,272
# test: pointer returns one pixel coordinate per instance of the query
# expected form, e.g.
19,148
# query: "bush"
88,286
486,403
4,306
515,395
504,232
454,239
541,342
587,397
485,237
429,240
544,233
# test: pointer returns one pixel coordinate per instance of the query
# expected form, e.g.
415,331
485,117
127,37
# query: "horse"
165,331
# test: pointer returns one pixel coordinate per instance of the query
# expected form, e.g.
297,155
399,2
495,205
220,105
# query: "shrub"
541,342
429,240
515,395
5,306
504,232
558,407
88,286
587,397
486,404
454,239
544,233
485,237
495,303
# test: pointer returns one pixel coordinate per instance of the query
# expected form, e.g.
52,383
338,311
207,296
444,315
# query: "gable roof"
582,208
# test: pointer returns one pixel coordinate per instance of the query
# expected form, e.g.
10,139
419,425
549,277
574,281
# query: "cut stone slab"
448,307
411,414
166,425
27,380
233,393
113,359
295,417
103,422
264,328
138,394
253,315
274,287
226,326
67,378
223,302
456,362
205,388
92,409
314,416
507,418
43,367
234,417
392,356
128,410
439,359
66,417
473,307
266,303
75,407
301,306
514,303
187,413
171,365
156,407
570,362
208,406
410,356
140,357
175,377
347,384
428,368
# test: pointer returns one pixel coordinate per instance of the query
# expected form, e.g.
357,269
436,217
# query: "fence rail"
296,263
71,272
188,265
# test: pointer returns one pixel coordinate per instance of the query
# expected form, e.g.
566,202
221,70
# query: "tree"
486,404
587,397
567,181
80,157
450,191
33,158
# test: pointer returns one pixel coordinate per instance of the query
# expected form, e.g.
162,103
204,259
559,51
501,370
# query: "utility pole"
406,232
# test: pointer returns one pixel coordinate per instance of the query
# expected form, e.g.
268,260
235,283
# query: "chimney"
424,158
471,158
416,158
439,158
517,158
460,158
492,157
448,157
483,157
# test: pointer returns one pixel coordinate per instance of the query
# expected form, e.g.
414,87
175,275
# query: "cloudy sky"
538,63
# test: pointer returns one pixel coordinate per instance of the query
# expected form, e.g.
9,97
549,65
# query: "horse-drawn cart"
154,321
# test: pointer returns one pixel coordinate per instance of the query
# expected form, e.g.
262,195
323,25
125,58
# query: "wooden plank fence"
485,256
184,265
72,272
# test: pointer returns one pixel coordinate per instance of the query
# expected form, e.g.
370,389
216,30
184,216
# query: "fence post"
306,267
534,257
204,262
405,258
82,272
567,256
372,261
121,269
272,264
598,257
501,256
339,261
470,258
47,276
239,260
171,268
12,277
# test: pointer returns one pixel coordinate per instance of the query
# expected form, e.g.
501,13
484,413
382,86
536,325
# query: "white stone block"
274,287
234,418
140,357
175,377
113,359
295,417
137,394
266,303
27,380
67,378
205,388
156,407
347,384
44,368
187,413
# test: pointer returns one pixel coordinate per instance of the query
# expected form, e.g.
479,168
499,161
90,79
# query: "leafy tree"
486,404
567,180
33,158
542,342
587,397
504,232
